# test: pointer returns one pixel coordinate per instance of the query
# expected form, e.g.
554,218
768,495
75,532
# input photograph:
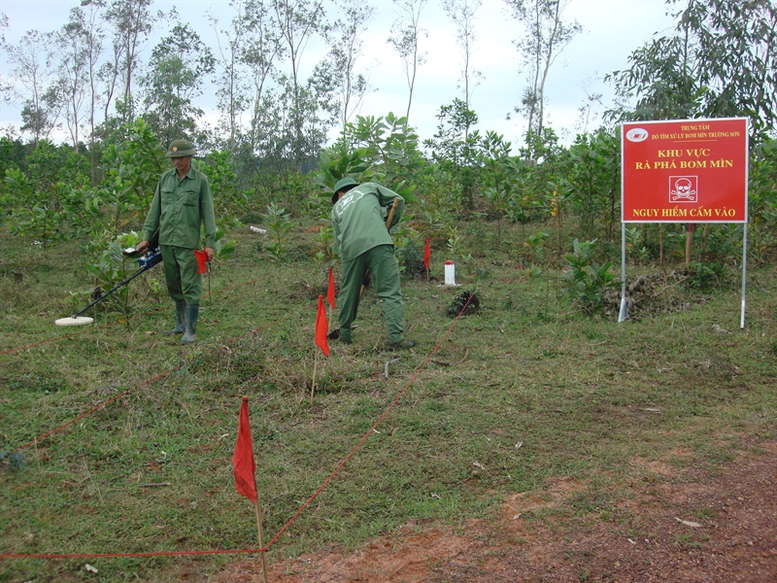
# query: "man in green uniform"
182,202
366,245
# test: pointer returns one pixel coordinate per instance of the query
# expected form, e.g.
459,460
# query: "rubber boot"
180,318
192,312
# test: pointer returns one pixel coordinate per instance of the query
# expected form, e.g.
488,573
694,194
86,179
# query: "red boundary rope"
291,520
115,397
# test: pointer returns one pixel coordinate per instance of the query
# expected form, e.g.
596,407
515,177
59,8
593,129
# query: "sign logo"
637,135
683,189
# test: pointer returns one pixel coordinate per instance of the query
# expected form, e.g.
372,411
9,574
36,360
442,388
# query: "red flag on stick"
330,293
322,329
243,459
427,253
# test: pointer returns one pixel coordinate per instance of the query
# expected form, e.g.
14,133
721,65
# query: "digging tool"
145,262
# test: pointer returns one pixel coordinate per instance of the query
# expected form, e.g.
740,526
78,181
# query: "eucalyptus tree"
86,23
132,22
233,87
547,36
346,46
406,32
720,60
4,87
177,70
299,22
462,14
262,50
79,47
34,73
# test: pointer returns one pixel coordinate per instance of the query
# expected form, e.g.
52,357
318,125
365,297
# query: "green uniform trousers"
182,273
382,264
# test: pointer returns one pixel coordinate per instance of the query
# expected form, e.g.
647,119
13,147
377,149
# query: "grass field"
527,389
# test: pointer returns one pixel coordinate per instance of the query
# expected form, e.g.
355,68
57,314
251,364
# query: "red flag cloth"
243,459
330,293
427,253
201,259
322,329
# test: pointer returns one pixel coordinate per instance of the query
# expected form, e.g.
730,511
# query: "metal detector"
146,261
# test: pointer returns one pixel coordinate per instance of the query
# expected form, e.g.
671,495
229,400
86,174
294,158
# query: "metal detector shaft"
148,265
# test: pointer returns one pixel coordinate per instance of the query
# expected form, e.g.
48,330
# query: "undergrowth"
524,391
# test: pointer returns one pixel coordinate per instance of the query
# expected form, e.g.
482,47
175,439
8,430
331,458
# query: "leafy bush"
279,225
585,280
705,276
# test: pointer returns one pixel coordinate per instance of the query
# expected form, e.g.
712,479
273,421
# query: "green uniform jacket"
357,221
178,209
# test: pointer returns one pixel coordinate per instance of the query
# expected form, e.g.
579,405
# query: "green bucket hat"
180,149
342,183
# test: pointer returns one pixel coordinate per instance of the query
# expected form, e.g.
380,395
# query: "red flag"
427,253
243,459
322,329
330,293
201,259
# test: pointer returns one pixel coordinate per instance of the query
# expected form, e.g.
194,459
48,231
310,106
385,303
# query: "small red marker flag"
243,458
330,293
322,329
427,253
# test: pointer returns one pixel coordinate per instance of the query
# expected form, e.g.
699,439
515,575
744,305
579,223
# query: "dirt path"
729,534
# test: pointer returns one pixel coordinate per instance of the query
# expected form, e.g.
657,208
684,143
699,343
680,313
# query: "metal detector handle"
143,269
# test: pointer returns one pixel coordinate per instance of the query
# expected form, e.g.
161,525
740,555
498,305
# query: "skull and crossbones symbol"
683,189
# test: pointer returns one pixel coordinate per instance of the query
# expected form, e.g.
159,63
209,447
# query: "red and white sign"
688,171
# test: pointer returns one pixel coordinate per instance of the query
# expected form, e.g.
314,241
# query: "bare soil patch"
671,524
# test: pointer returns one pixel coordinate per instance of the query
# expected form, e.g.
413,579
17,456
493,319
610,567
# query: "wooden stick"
313,384
391,213
261,535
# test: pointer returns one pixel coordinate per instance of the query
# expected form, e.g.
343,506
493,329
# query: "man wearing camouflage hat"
182,202
365,245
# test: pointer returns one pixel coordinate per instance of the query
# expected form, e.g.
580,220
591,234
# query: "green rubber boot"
192,313
180,318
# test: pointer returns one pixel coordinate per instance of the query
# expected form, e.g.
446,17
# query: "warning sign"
692,171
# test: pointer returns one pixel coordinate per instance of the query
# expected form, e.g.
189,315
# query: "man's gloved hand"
367,279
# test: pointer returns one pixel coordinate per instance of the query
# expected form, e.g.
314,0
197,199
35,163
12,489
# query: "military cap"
180,149
342,183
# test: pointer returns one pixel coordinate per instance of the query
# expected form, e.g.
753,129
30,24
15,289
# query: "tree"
547,37
4,88
405,32
79,46
85,23
263,48
299,20
345,50
33,70
381,149
721,61
462,14
233,88
592,183
177,69
455,148
132,23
